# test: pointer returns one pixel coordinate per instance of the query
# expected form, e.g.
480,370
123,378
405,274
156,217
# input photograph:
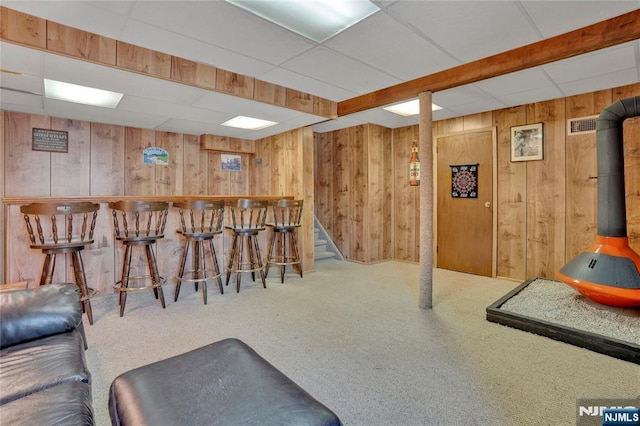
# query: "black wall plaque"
50,140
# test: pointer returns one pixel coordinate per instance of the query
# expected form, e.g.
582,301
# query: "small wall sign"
155,155
50,140
231,162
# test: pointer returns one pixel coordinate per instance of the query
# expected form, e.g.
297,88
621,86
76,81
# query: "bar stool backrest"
286,213
139,220
248,214
200,216
60,224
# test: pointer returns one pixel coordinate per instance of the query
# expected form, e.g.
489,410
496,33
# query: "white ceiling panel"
530,96
303,83
592,64
407,39
469,30
21,60
222,24
481,105
383,42
102,115
460,96
77,14
558,17
331,67
340,123
521,81
22,83
19,101
599,82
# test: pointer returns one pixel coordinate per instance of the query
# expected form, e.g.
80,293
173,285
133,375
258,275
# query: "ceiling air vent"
578,126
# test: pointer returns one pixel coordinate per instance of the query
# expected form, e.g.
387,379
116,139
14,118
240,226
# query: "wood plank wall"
353,176
31,31
546,209
283,165
106,159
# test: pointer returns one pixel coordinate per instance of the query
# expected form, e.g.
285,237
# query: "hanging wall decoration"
155,155
464,181
231,162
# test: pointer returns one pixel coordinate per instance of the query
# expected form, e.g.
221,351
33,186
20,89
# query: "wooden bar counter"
103,258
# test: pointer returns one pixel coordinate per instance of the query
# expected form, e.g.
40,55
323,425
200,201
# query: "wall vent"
582,125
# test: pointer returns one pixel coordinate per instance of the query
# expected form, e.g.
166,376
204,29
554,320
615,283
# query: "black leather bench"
224,383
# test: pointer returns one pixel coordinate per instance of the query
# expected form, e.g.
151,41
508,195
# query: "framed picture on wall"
527,142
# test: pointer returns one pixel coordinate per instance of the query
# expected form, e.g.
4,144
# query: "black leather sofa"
44,378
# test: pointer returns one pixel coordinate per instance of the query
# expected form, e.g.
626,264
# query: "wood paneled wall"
106,159
283,165
353,176
38,33
547,210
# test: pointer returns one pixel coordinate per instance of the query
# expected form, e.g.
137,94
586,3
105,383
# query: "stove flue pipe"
612,216
608,272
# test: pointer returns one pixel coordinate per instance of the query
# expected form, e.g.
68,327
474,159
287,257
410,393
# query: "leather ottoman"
224,383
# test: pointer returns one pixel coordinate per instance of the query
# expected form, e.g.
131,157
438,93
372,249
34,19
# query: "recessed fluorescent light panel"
317,20
248,123
81,94
409,108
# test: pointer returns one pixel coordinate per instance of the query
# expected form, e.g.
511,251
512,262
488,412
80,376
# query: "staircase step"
321,255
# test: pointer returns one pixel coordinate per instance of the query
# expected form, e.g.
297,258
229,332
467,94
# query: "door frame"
494,195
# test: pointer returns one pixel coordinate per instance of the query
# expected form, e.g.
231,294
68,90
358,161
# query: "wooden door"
464,223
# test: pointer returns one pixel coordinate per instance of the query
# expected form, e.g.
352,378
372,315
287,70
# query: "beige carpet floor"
353,336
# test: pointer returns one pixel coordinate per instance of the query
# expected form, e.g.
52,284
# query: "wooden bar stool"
201,221
63,228
139,224
286,218
247,221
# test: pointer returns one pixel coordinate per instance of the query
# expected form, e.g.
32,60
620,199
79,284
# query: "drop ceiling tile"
151,37
102,115
76,14
469,30
557,17
190,127
306,84
22,82
592,64
461,95
238,106
333,68
10,99
530,96
387,50
600,82
443,114
222,24
479,106
120,7
21,59
88,74
166,109
375,115
400,121
520,81
340,123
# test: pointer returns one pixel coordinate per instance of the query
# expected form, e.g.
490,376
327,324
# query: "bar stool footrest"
199,280
92,293
288,260
119,288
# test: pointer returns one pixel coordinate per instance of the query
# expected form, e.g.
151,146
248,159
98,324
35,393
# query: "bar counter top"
111,198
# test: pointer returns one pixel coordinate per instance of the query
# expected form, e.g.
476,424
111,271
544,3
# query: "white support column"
425,147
